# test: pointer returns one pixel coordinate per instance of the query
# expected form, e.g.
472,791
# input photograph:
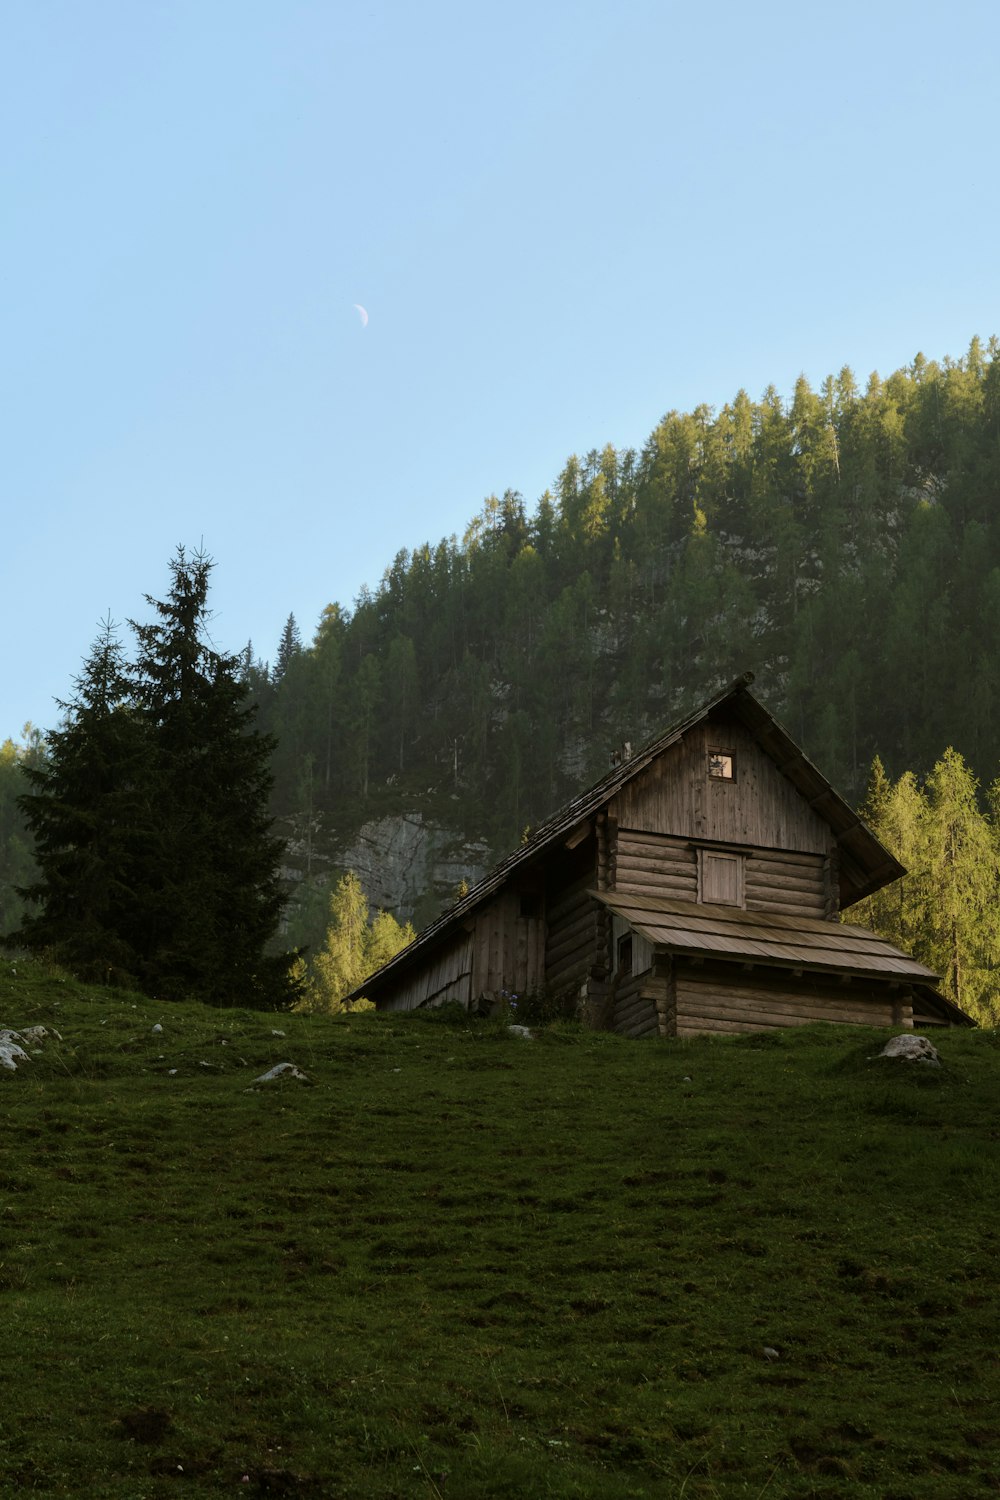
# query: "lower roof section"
696,930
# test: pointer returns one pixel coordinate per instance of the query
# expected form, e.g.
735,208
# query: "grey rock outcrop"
911,1049
411,866
12,1054
280,1073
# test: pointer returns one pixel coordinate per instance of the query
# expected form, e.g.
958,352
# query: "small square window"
722,765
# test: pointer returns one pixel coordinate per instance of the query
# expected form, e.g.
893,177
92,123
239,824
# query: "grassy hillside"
465,1265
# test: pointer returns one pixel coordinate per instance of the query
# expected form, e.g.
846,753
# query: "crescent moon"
363,315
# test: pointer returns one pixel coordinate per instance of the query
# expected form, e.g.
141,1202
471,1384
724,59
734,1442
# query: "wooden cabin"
698,887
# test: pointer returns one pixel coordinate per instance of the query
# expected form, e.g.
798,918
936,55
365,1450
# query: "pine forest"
843,544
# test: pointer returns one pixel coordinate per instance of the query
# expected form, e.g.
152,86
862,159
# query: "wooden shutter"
720,877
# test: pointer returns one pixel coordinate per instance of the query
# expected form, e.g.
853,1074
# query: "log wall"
573,938
655,864
790,883
634,1012
725,998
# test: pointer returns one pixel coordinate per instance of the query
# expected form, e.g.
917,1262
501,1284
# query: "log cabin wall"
661,987
724,998
778,880
789,883
656,864
573,941
447,976
634,1011
675,795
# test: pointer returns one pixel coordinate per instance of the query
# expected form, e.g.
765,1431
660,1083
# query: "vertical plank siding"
447,976
675,795
508,948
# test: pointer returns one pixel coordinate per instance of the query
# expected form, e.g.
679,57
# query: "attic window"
531,904
722,765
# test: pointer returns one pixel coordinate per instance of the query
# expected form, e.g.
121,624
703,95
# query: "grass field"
464,1265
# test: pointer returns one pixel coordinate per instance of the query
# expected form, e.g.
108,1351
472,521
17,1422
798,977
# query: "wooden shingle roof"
729,933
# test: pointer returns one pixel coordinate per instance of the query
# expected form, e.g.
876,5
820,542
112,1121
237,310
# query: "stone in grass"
40,1033
911,1049
522,1031
12,1054
279,1074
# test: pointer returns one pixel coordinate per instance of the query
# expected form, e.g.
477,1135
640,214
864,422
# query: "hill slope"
462,1264
844,545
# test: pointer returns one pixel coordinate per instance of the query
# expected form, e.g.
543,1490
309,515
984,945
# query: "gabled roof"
866,865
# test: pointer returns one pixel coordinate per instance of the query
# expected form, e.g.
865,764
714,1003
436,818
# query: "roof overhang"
731,935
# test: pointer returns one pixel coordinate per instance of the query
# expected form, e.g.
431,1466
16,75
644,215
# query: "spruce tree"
289,647
215,893
90,811
157,863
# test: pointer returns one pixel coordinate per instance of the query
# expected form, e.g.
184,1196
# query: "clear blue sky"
564,219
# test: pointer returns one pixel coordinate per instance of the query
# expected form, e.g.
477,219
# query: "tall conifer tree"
157,862
90,810
218,898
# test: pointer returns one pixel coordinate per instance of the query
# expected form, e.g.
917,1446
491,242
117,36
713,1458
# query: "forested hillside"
844,545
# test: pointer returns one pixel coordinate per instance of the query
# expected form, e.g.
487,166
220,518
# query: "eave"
698,931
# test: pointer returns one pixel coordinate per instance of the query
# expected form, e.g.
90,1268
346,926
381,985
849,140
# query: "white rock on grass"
278,1074
39,1034
522,1031
13,1043
12,1054
911,1049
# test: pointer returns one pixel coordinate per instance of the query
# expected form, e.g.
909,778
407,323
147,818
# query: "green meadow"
460,1264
